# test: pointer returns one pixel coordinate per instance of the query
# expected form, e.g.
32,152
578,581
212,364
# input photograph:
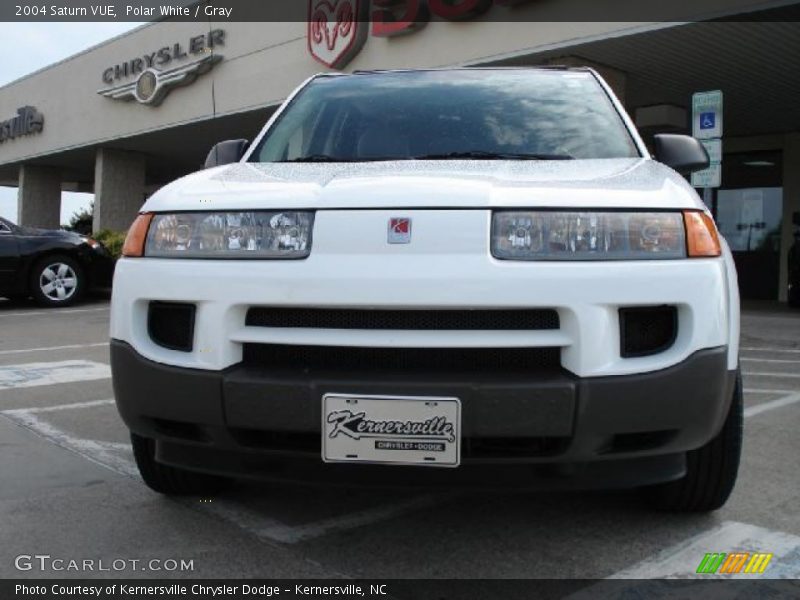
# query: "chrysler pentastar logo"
337,30
153,84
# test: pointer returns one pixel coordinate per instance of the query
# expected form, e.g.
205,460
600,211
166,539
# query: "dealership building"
124,118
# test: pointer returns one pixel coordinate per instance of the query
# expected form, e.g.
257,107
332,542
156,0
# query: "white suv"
481,270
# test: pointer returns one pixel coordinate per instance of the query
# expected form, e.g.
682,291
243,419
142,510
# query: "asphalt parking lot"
69,489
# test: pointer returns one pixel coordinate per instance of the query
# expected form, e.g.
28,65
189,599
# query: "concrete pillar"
791,205
119,193
615,78
39,197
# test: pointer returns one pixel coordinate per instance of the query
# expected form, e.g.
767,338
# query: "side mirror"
681,152
223,153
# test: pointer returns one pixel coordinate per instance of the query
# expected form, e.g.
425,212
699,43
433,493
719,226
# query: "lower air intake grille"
647,330
171,325
474,360
327,318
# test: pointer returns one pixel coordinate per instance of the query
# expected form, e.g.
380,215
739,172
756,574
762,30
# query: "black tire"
47,267
710,470
171,481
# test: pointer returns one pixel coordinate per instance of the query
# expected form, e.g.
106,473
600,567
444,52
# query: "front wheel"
57,281
711,470
168,480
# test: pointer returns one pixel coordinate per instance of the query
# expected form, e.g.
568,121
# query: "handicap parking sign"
708,120
707,115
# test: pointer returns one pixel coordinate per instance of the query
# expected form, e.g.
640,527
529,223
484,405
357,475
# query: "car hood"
597,183
58,234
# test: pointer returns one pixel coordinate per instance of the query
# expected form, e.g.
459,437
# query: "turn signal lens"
137,234
702,238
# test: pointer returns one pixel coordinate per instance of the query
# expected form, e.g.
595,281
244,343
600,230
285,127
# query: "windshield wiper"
482,155
324,158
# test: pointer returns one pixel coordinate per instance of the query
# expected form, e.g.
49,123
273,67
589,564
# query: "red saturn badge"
399,230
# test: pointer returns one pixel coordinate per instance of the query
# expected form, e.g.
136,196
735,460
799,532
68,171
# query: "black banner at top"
398,15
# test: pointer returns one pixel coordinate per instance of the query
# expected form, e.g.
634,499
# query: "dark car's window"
418,114
4,228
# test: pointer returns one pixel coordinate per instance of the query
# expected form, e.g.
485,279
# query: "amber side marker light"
137,234
702,238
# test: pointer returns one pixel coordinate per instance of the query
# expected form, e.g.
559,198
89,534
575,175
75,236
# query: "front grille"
171,325
335,318
647,330
363,360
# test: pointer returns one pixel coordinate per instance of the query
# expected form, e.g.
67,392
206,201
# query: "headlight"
252,234
546,235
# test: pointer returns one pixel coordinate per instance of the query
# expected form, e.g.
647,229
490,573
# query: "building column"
791,206
39,197
119,192
614,78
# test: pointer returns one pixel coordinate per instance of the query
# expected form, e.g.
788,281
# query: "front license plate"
399,430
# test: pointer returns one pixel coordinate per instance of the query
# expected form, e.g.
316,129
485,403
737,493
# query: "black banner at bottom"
416,589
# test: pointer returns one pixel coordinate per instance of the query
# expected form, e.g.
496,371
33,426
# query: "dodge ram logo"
337,30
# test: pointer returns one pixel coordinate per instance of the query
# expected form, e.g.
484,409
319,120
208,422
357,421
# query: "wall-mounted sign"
338,29
154,78
28,121
707,115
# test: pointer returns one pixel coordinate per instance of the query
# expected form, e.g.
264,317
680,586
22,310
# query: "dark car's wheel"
710,470
57,281
169,480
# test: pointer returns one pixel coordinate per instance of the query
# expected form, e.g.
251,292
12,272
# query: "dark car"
54,266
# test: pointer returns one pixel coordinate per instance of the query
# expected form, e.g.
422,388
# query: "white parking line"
769,360
757,349
766,374
751,411
64,311
49,373
73,406
767,391
683,559
309,531
54,348
105,454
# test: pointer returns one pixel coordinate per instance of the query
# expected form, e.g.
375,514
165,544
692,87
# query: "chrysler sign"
157,72
338,29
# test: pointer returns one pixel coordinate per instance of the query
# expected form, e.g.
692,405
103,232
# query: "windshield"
469,114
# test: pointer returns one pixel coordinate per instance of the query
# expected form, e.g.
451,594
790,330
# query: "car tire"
711,470
57,280
168,480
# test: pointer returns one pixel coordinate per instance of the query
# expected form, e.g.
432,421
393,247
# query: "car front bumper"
555,430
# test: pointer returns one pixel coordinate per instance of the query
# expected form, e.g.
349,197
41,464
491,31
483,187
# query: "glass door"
748,209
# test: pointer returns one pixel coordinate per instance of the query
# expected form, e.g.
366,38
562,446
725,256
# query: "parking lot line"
770,374
751,411
73,406
50,373
770,360
767,391
770,349
64,311
54,348
105,454
309,531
